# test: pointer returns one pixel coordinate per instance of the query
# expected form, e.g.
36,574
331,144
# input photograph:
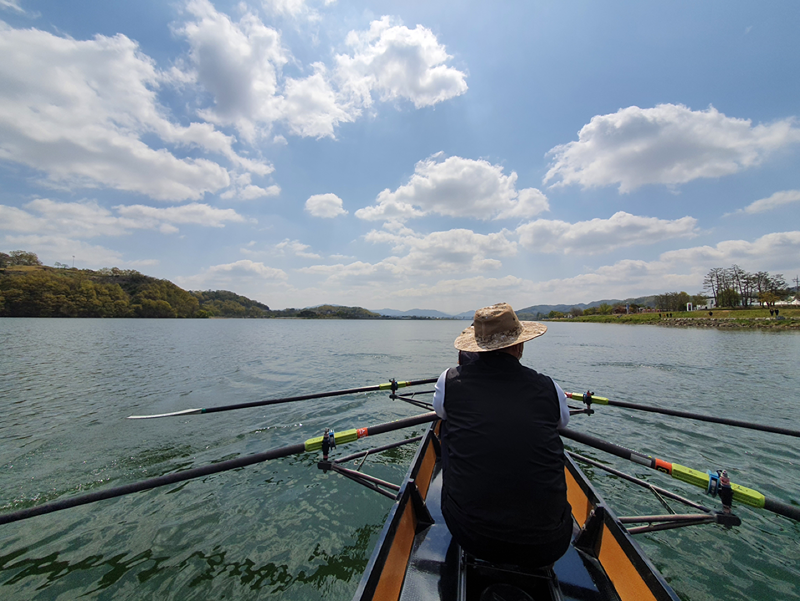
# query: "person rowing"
504,496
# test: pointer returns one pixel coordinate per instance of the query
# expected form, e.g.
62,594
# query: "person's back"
504,494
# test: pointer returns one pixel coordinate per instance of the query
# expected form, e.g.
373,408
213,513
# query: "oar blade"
173,414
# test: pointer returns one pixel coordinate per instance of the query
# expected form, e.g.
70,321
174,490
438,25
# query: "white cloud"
296,248
238,63
242,188
457,187
770,203
52,248
452,250
767,252
312,107
419,256
241,65
194,213
601,235
79,111
669,144
88,219
675,270
326,206
398,62
12,5
241,276
293,8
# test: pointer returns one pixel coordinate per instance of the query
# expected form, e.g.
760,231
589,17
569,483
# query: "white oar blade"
173,414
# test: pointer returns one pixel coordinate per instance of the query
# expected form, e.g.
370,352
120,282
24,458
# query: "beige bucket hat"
497,327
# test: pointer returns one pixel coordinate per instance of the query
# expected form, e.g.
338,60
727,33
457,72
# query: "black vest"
504,460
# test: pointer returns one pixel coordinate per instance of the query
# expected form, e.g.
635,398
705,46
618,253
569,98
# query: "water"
287,530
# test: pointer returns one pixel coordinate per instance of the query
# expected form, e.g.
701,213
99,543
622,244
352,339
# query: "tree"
715,281
605,309
5,260
769,298
728,297
698,300
21,257
576,311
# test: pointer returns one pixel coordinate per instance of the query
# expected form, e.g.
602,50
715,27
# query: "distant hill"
642,301
30,289
432,313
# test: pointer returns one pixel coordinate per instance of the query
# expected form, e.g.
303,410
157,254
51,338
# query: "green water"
284,529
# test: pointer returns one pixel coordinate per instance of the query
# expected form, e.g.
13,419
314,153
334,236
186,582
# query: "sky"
432,155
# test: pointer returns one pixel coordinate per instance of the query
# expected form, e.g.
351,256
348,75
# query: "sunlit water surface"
285,529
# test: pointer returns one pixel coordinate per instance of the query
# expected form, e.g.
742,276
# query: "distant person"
504,495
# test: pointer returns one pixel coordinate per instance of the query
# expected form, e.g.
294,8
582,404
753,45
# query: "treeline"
733,286
39,291
30,289
677,301
730,287
221,303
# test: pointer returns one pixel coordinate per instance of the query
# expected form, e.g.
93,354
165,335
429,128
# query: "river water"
284,529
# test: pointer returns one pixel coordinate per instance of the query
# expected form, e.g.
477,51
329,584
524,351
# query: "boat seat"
486,581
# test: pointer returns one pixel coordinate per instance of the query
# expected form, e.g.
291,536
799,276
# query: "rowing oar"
312,444
599,400
394,385
742,494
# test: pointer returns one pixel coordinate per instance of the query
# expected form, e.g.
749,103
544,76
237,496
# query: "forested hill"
35,290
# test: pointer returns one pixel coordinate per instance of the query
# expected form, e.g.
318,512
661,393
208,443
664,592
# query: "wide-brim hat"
497,327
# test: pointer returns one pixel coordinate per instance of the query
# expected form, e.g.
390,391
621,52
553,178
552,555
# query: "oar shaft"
742,494
214,468
126,489
292,399
687,414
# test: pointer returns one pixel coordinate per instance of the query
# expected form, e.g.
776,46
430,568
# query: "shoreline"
727,323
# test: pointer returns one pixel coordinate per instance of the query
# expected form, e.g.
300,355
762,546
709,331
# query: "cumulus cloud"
52,248
326,206
80,111
674,270
457,249
669,144
768,250
239,275
238,63
770,203
601,235
242,188
241,64
457,187
296,248
291,8
420,255
194,213
88,219
398,63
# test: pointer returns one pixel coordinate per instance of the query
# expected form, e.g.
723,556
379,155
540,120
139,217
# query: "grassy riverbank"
719,318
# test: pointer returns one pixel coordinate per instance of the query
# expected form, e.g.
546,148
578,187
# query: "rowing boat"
416,558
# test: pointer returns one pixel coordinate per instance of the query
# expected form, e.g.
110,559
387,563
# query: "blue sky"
404,155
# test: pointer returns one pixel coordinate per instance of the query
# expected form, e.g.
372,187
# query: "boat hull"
416,558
